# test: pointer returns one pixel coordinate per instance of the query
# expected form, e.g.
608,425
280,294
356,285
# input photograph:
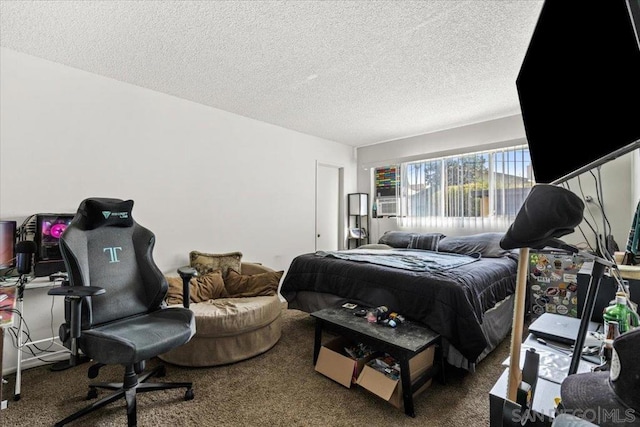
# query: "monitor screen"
49,228
579,86
7,244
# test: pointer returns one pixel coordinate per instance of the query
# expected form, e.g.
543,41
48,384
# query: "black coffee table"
402,342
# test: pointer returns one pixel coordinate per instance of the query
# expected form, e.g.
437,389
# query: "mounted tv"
7,244
49,229
579,86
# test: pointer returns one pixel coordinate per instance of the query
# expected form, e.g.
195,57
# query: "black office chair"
114,310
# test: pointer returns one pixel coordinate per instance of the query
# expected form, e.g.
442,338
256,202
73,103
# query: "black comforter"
449,301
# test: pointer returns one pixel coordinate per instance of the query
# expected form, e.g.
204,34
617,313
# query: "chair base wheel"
92,394
161,371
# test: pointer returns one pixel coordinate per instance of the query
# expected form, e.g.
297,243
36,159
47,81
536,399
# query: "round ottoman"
229,330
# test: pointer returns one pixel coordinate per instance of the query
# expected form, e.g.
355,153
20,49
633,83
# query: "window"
482,190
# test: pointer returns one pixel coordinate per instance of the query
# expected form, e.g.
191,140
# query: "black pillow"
110,212
486,244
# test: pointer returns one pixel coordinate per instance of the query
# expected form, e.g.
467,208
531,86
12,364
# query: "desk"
546,391
35,310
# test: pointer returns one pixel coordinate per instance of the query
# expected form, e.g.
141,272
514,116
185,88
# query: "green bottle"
621,313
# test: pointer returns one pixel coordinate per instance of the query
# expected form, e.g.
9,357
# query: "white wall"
618,176
617,194
201,178
490,134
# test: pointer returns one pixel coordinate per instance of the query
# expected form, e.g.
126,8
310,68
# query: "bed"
460,286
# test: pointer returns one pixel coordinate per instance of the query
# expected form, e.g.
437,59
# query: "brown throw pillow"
262,284
201,288
205,263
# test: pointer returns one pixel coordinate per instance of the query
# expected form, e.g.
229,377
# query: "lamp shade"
358,204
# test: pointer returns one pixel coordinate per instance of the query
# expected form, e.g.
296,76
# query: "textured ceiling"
356,72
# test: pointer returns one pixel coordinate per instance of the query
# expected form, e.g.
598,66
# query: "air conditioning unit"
387,207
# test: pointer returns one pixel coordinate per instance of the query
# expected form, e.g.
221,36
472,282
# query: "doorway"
329,194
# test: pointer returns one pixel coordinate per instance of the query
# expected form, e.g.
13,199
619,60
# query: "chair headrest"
101,212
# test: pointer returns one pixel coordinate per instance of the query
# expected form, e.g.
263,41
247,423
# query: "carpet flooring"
277,388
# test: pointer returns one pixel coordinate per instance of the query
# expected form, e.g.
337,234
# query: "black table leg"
440,357
318,341
407,393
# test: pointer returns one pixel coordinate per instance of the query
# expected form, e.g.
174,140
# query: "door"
328,196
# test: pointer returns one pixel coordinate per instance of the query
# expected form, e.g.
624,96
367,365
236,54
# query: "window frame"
495,181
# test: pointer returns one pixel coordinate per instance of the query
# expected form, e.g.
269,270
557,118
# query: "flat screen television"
8,244
579,86
49,228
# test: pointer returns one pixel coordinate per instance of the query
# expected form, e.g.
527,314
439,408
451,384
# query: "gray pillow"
396,239
486,244
426,241
411,239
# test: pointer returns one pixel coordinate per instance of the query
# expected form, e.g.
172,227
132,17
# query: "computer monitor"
7,244
579,86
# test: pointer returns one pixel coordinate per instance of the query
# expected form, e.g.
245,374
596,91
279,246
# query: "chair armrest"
75,295
187,273
76,291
